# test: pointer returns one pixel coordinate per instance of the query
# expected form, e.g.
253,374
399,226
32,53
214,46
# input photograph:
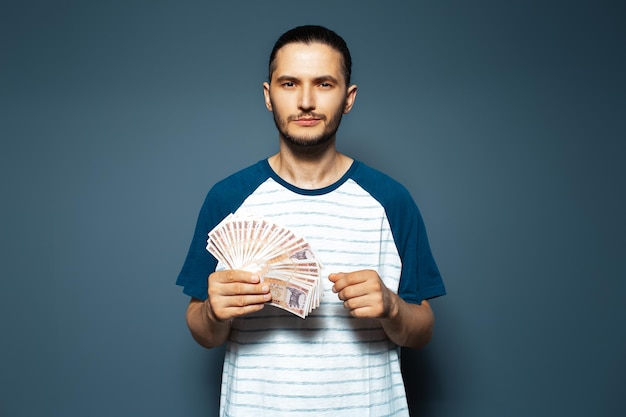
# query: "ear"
350,97
266,94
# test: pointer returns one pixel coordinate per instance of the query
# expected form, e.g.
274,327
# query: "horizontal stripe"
352,408
312,396
274,367
276,382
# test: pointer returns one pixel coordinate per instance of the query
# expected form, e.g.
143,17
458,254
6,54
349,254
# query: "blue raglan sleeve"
224,198
420,278
199,263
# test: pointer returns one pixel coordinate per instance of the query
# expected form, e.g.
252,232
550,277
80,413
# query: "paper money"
286,262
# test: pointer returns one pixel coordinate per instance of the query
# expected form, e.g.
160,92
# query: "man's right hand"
234,293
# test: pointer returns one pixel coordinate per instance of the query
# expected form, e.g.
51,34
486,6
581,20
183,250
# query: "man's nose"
307,99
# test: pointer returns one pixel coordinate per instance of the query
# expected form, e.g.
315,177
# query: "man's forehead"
302,56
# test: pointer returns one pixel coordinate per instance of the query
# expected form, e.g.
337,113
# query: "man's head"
308,91
314,34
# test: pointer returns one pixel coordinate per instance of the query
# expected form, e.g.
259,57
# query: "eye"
288,84
326,85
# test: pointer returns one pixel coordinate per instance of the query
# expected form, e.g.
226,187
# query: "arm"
231,294
412,324
366,296
205,328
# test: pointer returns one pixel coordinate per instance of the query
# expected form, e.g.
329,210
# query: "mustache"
295,117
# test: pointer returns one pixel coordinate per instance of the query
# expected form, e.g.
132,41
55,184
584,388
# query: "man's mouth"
307,120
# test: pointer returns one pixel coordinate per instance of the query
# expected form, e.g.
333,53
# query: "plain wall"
505,120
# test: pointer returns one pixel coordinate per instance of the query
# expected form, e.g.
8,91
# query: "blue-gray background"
505,119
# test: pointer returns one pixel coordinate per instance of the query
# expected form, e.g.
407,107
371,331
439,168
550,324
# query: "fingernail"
265,288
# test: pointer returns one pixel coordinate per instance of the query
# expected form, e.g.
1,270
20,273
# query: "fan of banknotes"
282,260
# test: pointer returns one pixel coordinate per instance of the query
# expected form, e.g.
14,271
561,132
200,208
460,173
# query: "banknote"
283,260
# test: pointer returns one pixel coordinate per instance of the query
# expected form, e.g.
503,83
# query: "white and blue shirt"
329,364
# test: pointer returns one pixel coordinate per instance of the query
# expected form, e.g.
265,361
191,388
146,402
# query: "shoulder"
250,175
226,195
381,186
243,180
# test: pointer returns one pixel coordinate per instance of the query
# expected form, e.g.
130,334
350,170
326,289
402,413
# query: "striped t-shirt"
329,364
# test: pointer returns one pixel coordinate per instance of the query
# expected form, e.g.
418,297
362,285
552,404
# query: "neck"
310,170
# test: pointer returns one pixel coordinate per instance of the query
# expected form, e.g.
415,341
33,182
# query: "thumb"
336,276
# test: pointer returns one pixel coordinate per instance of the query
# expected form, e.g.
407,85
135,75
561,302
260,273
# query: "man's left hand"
365,294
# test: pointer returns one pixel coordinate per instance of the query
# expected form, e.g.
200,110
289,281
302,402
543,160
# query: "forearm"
207,330
409,325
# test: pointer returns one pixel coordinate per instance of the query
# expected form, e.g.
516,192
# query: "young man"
364,227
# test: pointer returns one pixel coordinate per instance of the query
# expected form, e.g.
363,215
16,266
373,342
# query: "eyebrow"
316,80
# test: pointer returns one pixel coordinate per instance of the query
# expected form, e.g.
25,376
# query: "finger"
339,280
352,291
364,312
232,312
342,280
228,307
248,300
234,275
237,289
357,302
242,311
334,277
364,307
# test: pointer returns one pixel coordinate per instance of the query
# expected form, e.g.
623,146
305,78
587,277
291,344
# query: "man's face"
308,93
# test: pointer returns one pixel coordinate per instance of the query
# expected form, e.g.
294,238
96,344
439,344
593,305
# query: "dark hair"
314,34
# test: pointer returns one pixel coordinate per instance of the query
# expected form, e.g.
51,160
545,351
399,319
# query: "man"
364,227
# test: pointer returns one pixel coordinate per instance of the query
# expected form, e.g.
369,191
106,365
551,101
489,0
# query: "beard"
309,143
